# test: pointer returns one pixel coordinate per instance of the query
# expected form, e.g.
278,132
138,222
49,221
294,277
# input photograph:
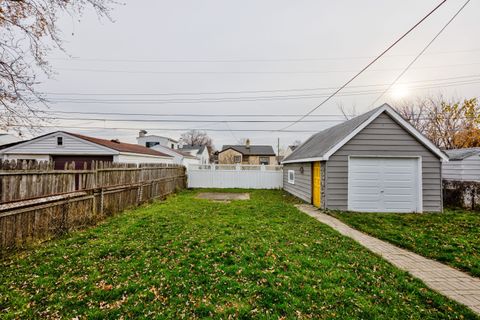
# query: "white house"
62,147
179,157
152,140
199,151
289,150
463,165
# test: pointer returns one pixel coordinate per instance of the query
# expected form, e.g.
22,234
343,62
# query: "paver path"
448,281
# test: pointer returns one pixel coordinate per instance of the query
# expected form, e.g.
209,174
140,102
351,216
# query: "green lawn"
189,258
452,237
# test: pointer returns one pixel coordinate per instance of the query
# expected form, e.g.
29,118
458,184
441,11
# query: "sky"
270,60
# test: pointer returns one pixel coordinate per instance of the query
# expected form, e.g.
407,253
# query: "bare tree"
28,32
296,143
196,138
449,123
242,141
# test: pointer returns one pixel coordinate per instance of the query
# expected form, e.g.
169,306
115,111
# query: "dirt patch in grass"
223,196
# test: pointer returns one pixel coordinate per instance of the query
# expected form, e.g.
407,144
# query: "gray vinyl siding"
302,188
467,169
383,137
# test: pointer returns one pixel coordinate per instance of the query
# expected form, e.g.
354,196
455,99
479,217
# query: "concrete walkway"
448,281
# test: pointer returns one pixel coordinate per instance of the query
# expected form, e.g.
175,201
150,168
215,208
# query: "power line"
185,114
246,91
253,71
158,129
420,53
189,120
245,98
204,121
366,67
246,59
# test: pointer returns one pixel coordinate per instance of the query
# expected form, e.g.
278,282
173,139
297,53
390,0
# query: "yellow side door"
316,185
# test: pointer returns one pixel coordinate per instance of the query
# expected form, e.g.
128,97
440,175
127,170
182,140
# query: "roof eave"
304,160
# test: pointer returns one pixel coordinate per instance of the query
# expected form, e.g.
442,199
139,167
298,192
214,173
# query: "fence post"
93,186
140,188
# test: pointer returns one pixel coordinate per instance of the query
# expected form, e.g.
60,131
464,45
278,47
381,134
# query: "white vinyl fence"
235,176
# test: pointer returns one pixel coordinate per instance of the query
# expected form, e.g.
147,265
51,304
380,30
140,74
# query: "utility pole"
278,148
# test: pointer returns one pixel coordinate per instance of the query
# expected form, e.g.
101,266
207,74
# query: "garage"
375,162
387,184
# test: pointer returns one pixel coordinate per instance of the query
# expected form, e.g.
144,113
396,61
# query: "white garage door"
383,184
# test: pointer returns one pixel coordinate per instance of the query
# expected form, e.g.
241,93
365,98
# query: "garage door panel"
383,184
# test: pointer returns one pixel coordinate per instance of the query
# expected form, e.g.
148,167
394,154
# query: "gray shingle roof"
320,143
253,150
190,147
460,154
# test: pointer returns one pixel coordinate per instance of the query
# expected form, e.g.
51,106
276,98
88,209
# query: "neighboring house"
464,165
153,140
6,138
289,151
179,157
376,162
61,147
247,154
199,151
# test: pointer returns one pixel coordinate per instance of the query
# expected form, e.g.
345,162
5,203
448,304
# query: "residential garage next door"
384,184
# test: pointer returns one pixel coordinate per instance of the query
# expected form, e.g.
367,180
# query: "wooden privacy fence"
38,202
235,176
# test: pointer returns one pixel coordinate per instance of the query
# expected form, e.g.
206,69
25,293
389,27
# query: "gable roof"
109,144
460,154
194,147
156,136
253,150
121,146
171,151
323,144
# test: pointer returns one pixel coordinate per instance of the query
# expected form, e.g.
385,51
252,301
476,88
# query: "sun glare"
399,92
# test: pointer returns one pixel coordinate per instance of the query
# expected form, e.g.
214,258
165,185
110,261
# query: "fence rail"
235,176
38,202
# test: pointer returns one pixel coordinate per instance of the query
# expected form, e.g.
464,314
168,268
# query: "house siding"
302,188
382,137
467,169
71,146
228,156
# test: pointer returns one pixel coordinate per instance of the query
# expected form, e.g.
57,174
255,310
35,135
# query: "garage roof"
460,154
323,144
253,150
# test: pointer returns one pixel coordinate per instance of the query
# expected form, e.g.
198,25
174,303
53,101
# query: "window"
264,160
237,159
150,144
59,141
173,146
291,176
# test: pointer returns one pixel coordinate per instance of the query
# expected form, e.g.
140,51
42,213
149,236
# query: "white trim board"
396,117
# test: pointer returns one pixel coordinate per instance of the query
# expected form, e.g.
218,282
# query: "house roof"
156,136
121,146
167,149
460,154
252,150
194,147
323,144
